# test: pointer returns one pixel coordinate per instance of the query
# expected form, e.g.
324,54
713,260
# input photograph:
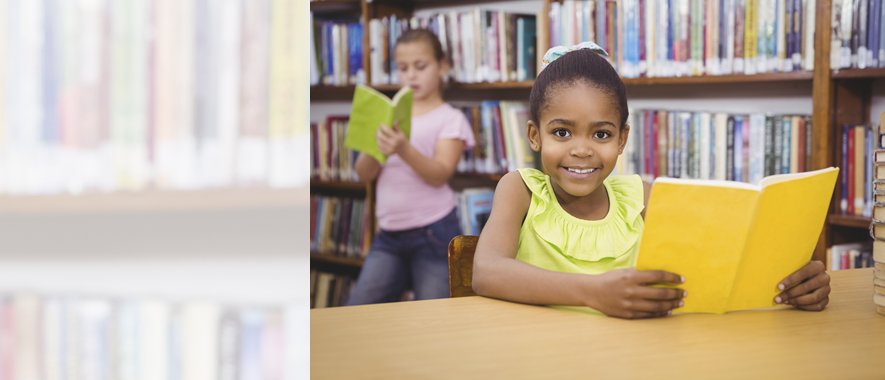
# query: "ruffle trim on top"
588,240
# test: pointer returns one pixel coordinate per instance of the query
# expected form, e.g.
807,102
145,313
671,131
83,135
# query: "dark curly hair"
579,66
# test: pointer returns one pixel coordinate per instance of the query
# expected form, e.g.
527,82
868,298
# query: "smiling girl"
415,205
571,236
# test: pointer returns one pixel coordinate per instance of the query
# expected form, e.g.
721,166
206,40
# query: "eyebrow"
598,124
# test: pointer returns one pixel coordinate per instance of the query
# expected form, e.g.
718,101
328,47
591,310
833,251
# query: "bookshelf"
155,201
838,97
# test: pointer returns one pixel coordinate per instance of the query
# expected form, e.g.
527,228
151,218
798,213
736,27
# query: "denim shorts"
416,257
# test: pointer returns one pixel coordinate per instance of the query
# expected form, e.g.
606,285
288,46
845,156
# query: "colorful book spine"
166,91
251,145
287,105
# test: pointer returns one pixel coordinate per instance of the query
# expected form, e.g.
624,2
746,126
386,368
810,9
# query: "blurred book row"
858,149
691,37
107,95
339,226
858,37
480,46
721,146
89,338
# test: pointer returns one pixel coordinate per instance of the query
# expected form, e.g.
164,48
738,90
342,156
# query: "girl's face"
580,137
417,67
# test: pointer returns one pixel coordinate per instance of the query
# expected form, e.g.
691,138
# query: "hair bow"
559,51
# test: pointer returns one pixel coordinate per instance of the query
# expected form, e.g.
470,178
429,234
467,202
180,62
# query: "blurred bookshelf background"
153,172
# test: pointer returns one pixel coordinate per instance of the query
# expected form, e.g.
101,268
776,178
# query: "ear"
622,139
534,135
444,68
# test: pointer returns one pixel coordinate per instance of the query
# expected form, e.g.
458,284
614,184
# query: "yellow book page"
698,229
788,224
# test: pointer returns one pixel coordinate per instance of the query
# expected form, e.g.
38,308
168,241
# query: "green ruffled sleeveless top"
553,239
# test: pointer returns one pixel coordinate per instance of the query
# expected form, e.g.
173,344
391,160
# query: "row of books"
878,192
720,146
858,147
499,129
850,256
329,290
128,95
53,337
858,37
665,38
339,226
337,53
474,206
329,159
481,45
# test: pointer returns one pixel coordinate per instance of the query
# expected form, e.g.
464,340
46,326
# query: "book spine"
250,351
740,167
745,142
844,171
800,146
769,145
849,196
777,166
230,330
808,142
859,169
729,155
739,17
287,104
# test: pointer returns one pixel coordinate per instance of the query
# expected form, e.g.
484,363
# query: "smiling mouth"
581,171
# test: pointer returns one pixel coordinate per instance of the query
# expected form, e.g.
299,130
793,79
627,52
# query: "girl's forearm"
430,170
367,167
513,280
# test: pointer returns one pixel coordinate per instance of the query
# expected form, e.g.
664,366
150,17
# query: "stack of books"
878,217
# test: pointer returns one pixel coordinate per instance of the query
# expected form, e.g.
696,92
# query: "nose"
581,148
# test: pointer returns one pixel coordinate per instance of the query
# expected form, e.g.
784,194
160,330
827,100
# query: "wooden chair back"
461,250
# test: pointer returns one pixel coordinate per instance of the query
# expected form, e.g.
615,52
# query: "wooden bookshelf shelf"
858,73
713,79
457,91
335,6
849,220
332,259
335,185
493,177
156,201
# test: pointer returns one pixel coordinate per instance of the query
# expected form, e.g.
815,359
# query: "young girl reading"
415,205
571,236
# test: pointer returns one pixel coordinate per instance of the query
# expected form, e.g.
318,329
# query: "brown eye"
559,132
602,134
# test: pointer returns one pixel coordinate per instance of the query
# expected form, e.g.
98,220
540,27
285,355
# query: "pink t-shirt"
405,201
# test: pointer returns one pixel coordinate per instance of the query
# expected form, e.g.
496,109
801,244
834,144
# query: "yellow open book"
734,242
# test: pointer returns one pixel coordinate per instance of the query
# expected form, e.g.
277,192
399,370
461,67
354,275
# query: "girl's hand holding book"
391,140
812,288
625,293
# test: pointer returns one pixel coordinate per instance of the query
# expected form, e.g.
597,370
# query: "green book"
372,108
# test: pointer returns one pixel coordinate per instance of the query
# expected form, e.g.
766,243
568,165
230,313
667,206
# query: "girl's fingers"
800,275
643,314
813,298
658,276
815,307
656,306
816,282
650,293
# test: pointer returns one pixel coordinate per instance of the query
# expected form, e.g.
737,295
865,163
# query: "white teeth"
581,171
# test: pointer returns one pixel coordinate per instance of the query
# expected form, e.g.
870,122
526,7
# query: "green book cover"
372,108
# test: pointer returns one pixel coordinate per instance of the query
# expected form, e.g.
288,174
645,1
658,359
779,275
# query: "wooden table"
477,337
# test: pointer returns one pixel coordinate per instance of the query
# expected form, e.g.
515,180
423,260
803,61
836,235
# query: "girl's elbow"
479,278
